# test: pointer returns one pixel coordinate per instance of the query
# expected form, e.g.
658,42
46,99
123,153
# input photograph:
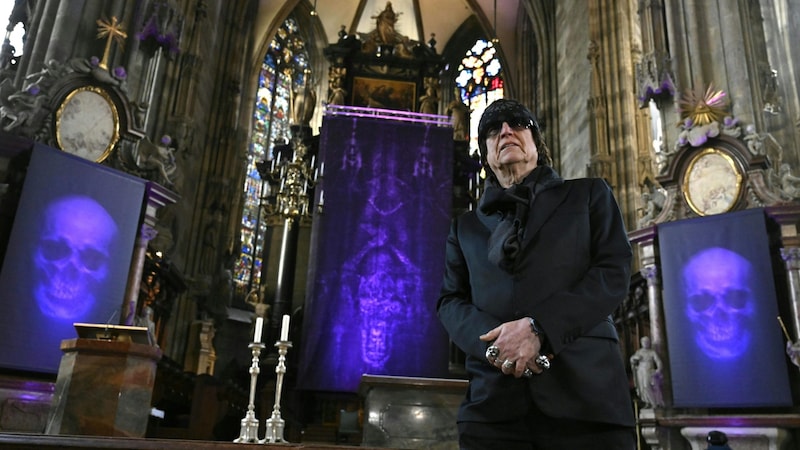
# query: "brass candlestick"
249,431
275,424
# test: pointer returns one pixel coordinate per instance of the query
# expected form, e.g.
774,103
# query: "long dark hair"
505,110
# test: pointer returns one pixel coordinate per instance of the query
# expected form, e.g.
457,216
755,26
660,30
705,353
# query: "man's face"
511,144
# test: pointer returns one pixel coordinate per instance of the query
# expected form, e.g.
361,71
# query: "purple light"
719,302
380,305
378,256
72,256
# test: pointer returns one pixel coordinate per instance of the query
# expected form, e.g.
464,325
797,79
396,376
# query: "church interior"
223,222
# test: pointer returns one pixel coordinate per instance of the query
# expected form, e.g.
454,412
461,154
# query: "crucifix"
110,31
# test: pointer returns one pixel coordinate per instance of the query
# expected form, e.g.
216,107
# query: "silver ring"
543,362
492,352
508,364
527,373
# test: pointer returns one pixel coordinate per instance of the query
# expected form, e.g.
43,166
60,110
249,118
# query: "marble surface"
740,438
103,388
24,403
407,412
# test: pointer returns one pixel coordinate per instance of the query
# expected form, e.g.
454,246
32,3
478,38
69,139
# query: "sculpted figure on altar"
646,366
385,38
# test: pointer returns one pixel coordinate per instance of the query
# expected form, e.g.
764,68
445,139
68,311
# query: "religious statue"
148,320
790,184
649,211
159,158
429,103
337,91
385,22
646,366
304,101
459,116
754,140
385,39
793,352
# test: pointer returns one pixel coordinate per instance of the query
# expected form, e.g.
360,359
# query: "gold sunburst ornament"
703,108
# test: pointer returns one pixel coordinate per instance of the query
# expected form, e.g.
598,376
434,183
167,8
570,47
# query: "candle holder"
275,424
249,430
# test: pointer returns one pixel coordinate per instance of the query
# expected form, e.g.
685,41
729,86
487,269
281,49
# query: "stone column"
788,218
128,314
156,196
645,241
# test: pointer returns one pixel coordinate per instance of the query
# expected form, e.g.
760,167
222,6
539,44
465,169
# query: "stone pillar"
146,234
788,218
156,196
645,241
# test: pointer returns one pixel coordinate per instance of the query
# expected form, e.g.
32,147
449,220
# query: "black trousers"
539,432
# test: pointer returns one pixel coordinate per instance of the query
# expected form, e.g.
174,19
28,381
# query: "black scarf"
513,204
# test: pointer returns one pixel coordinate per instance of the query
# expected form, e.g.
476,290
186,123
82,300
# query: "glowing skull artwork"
72,256
719,302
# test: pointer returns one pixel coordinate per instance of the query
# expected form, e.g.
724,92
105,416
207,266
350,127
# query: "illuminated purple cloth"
725,345
68,257
377,253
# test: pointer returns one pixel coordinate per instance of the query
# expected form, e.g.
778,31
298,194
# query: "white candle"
259,327
285,328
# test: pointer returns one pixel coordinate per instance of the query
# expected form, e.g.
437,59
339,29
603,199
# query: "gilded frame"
384,93
77,121
712,182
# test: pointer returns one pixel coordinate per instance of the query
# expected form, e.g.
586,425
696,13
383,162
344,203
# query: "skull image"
719,302
72,256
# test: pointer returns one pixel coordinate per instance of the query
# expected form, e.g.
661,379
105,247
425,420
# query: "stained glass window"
480,82
286,59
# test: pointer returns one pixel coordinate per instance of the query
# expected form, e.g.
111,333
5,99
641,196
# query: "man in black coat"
531,279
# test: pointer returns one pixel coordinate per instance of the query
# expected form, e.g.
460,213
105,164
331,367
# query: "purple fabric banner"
377,253
720,308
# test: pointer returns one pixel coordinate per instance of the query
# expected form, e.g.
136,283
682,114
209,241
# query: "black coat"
572,272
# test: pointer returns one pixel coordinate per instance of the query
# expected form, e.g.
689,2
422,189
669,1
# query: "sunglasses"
516,124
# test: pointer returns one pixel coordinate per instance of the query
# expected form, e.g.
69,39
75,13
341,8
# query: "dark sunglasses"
516,123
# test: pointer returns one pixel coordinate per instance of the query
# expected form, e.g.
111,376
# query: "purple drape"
720,308
377,253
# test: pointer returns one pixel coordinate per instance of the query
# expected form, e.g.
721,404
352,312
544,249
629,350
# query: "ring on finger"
508,364
492,352
543,361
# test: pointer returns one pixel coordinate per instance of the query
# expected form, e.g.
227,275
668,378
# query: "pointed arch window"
480,82
286,59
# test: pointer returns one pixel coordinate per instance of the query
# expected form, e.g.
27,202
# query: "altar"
409,412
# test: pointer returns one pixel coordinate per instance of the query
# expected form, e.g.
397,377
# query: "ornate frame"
712,182
72,112
384,93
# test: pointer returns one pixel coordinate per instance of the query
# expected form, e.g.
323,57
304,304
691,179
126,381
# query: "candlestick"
285,328
259,328
275,424
249,430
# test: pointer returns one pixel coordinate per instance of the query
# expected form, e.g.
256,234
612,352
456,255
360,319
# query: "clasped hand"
517,348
